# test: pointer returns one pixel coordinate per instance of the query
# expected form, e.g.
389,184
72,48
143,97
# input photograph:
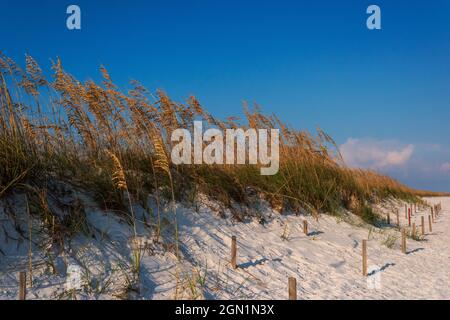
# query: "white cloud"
445,167
375,154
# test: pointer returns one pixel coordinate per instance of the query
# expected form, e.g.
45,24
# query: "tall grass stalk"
60,127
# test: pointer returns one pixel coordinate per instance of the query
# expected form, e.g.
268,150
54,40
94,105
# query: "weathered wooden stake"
406,211
403,240
233,252
22,285
292,288
398,219
305,227
413,231
409,219
429,223
364,257
423,225
388,218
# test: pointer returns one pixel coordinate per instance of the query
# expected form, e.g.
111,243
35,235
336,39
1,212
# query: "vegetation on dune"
116,145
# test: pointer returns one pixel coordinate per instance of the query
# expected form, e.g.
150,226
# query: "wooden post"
292,285
423,225
388,218
403,240
364,257
409,219
22,285
398,219
429,223
305,227
413,231
233,252
406,211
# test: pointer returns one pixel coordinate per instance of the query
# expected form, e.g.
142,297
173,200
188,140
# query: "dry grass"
60,129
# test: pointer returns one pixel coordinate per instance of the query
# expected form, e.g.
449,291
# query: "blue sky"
382,94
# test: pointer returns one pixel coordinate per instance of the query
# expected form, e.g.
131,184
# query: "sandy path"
425,272
327,264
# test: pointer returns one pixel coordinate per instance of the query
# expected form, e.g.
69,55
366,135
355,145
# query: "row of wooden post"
434,210
403,243
292,281
410,211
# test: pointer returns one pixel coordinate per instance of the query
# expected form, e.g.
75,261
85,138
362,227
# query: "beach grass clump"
116,145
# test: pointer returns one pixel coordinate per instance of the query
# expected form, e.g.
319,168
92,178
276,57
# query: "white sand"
327,263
